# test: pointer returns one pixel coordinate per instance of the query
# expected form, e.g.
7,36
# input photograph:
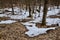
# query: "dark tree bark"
29,11
45,12
12,10
39,9
12,7
57,5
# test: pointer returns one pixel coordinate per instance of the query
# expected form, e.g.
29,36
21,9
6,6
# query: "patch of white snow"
7,22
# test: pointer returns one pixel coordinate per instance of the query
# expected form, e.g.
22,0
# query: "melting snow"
52,21
37,20
7,22
53,12
18,16
31,27
3,15
35,31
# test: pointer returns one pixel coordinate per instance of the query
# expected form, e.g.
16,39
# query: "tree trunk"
58,3
26,7
12,10
29,11
39,10
12,7
45,12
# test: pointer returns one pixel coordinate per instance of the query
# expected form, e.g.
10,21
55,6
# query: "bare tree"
45,12
12,7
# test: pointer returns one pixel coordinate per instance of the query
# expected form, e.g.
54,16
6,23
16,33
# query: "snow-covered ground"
53,12
23,16
33,30
7,22
51,21
3,15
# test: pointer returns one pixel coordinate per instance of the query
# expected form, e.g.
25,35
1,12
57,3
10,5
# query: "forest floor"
16,31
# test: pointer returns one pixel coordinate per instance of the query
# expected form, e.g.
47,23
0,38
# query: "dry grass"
16,31
4,18
54,16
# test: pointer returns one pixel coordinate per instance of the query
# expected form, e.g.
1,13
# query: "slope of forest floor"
15,31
